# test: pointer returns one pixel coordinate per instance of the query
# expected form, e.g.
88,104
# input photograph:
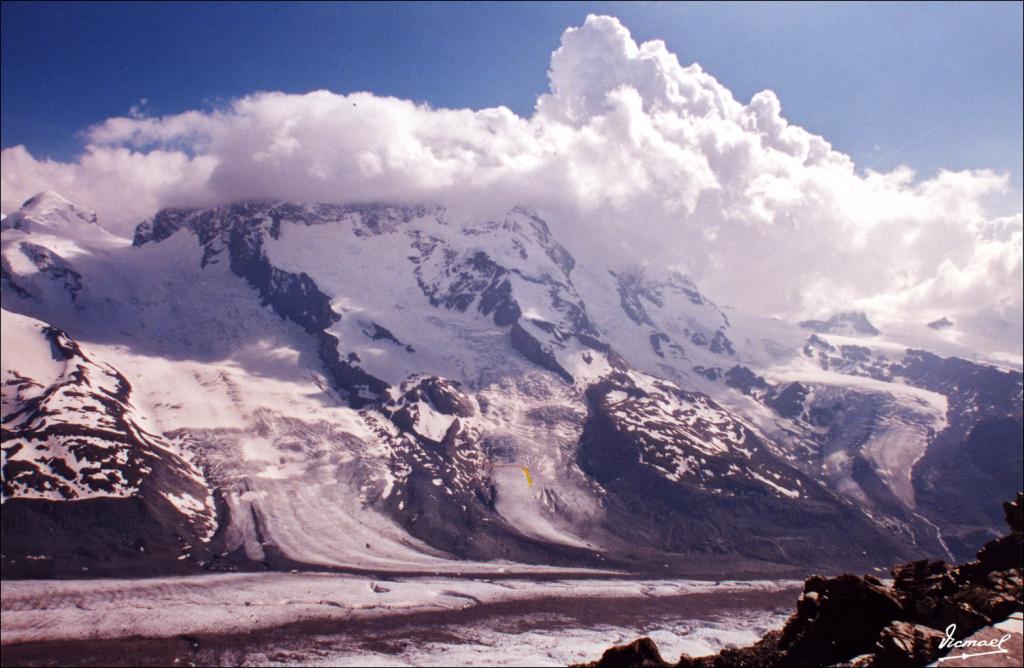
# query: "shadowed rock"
906,644
641,653
853,621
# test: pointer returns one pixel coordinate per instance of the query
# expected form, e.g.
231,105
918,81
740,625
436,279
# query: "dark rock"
112,515
633,291
852,621
978,605
641,653
533,350
790,402
54,267
361,387
836,619
711,373
921,586
744,380
378,333
976,463
661,342
1002,554
765,652
445,396
161,226
906,644
653,502
852,322
721,345
1014,513
941,323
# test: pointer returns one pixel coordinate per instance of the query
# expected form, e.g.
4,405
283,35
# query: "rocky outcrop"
691,478
87,489
789,403
241,230
532,349
744,380
296,297
658,305
720,344
850,620
851,323
442,492
837,618
53,267
977,459
969,466
642,653
524,270
906,644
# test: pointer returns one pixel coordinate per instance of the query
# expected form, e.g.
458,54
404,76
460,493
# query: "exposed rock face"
848,620
51,265
1008,635
922,586
906,644
852,322
836,618
744,380
524,261
85,486
655,305
680,494
789,402
969,455
641,653
977,459
532,349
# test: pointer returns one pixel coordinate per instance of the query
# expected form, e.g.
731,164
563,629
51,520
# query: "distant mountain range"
283,385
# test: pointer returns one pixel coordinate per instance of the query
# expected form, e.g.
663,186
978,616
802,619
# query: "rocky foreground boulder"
861,621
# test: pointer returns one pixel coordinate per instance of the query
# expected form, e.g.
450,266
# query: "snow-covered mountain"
852,323
392,387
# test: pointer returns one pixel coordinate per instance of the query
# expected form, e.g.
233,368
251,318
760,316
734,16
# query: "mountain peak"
46,198
52,212
852,323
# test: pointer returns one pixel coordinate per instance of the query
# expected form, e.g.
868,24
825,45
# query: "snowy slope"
72,438
391,387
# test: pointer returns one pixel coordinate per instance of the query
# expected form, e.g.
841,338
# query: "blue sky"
929,85
630,154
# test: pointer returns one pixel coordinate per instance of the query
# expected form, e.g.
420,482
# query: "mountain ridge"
460,351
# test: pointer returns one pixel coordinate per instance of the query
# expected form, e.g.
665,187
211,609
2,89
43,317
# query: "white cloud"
629,153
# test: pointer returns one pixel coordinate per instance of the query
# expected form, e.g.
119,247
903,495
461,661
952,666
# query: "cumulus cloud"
629,153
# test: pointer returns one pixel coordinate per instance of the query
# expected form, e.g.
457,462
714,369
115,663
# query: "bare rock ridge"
859,621
85,480
854,323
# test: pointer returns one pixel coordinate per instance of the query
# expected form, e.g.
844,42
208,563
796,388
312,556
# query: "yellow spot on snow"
529,480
